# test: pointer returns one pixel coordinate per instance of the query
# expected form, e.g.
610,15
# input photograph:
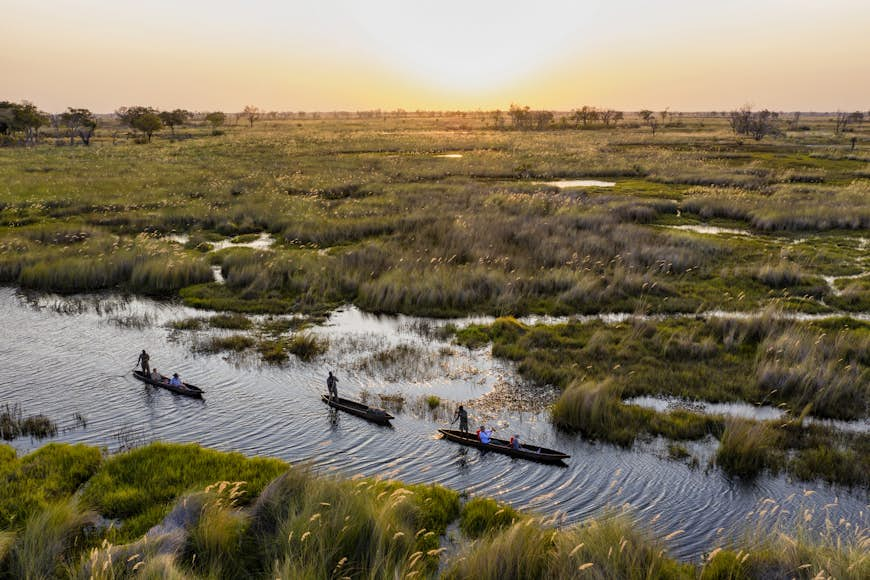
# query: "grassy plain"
83,515
366,211
443,215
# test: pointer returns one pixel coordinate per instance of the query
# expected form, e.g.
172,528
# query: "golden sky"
451,54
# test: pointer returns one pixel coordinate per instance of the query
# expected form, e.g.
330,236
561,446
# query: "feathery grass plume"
50,540
809,366
609,547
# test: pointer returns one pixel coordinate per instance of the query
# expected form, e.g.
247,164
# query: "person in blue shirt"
515,441
484,434
175,381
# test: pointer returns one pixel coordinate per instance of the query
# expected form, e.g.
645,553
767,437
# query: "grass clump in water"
433,402
234,343
748,447
230,322
307,346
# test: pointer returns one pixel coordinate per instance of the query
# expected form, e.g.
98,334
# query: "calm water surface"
62,356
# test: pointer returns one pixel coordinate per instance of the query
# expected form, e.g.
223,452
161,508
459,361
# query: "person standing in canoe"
462,415
332,386
145,361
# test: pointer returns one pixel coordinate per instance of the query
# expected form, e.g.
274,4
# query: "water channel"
62,356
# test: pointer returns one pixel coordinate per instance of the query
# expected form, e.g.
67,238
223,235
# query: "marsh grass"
48,475
50,541
747,448
609,547
483,516
137,486
307,346
230,322
234,343
404,232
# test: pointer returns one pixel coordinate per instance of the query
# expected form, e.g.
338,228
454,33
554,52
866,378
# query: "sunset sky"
346,55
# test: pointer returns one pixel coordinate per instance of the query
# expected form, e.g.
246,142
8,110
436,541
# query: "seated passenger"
515,441
156,376
175,381
485,435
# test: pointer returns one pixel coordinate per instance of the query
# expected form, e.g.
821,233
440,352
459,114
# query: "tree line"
22,122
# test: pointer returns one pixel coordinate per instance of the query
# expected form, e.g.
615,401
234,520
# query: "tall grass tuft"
748,447
611,547
51,539
162,276
482,516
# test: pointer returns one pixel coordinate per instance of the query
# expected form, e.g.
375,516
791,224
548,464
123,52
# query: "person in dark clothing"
462,415
145,361
332,385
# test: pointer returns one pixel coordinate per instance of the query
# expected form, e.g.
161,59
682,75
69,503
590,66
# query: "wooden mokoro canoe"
532,452
187,390
358,409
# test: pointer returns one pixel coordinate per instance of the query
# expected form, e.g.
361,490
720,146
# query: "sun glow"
343,54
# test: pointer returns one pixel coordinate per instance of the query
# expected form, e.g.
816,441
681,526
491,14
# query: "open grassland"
366,211
81,514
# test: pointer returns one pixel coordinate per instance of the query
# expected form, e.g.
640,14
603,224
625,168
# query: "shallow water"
566,183
741,410
712,230
264,242
62,356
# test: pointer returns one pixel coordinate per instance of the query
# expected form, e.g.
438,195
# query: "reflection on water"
64,356
741,410
566,183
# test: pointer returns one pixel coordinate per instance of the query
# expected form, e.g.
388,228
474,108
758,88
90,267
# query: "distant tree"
585,115
609,116
144,119
665,114
755,124
251,113
520,116
649,118
844,119
23,117
174,118
215,119
542,119
80,123
497,119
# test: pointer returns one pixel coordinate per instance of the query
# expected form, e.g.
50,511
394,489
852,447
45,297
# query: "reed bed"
272,521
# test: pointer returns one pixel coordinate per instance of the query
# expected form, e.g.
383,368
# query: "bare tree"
251,113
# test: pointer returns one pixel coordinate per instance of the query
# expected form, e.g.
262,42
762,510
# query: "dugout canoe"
359,409
187,389
526,451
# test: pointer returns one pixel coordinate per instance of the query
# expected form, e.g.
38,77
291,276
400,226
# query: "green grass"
230,322
257,518
409,232
747,448
48,475
139,486
610,547
482,516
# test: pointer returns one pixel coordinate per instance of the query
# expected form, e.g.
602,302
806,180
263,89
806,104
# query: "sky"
688,55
